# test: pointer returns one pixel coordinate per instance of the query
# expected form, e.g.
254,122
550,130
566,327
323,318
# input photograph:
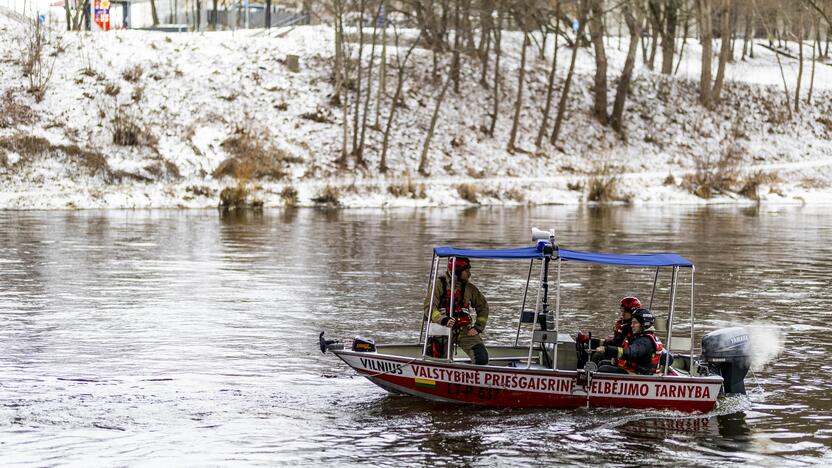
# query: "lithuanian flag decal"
425,383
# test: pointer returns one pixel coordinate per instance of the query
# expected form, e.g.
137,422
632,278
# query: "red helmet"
630,303
462,264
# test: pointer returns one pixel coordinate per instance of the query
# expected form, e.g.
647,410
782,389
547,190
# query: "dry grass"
669,180
810,183
751,186
468,192
12,113
253,157
327,197
128,130
92,162
289,196
111,89
715,177
515,194
200,190
407,189
603,187
133,74
320,115
238,198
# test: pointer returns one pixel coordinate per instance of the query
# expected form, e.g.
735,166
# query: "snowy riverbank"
189,94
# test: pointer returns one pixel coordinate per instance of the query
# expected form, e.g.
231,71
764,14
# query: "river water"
190,338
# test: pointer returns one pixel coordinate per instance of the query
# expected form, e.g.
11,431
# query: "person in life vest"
638,355
621,328
470,314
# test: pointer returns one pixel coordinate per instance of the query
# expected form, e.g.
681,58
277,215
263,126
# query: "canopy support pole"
451,308
523,307
692,271
545,307
557,319
426,321
653,293
670,316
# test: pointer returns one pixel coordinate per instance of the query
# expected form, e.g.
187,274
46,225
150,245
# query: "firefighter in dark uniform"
621,328
638,355
470,311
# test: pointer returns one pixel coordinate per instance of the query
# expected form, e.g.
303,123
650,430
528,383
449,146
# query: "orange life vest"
633,367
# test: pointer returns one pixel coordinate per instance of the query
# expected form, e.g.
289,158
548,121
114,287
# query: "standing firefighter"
469,316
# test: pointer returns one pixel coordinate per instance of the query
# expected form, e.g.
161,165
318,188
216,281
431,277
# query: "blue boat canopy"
639,260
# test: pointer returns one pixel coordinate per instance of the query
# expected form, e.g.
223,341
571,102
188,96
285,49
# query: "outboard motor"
727,352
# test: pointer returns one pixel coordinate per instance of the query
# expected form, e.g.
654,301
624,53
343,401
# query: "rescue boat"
553,370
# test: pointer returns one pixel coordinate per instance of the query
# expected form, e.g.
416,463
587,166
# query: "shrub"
327,196
13,113
138,92
575,186
602,189
253,157
407,189
133,74
128,130
289,196
234,198
200,190
750,188
712,178
320,115
515,194
112,89
467,192
37,66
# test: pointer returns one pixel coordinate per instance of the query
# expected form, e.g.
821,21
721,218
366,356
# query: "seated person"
642,351
466,296
621,328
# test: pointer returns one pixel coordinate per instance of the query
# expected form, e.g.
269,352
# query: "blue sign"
575,25
42,19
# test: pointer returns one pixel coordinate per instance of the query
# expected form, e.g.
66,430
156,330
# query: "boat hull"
529,388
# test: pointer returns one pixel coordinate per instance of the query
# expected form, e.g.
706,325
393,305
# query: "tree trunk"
68,16
617,120
484,48
518,104
724,50
746,35
800,61
597,35
550,88
382,72
359,156
153,14
358,80
669,36
400,78
339,47
498,33
564,95
457,45
812,77
268,19
657,28
423,159
215,19
703,8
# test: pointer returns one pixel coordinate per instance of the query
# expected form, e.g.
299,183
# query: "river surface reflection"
190,338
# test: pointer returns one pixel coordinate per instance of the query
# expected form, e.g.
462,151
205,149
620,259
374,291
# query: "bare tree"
423,159
634,27
550,87
671,9
400,78
497,38
724,50
564,95
596,33
800,55
359,156
518,103
703,10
